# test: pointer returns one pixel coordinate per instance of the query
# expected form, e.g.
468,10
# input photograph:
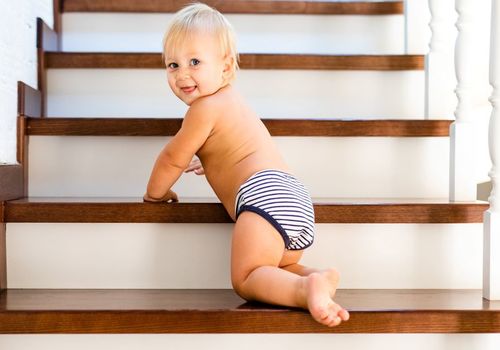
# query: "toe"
344,315
335,321
328,320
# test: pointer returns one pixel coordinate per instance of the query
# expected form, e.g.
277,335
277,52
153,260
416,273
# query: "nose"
183,74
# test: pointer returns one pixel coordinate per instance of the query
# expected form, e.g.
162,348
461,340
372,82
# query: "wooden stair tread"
235,6
277,127
247,61
222,311
116,210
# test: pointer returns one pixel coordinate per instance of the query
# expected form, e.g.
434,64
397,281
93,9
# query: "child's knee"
238,282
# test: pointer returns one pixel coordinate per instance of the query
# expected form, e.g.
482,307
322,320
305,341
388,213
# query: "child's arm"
177,154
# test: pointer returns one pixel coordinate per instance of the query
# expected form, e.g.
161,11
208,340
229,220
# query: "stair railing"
439,62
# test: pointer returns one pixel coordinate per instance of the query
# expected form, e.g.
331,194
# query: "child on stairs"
273,211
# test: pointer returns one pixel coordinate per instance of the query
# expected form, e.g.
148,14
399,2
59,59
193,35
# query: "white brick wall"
18,61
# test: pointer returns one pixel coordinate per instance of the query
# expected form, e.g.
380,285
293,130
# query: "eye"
172,65
194,62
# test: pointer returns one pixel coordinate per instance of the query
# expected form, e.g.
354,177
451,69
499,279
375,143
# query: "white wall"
18,61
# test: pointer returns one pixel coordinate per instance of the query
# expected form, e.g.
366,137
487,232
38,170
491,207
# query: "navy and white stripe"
283,201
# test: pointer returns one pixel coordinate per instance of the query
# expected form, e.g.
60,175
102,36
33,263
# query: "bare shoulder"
216,104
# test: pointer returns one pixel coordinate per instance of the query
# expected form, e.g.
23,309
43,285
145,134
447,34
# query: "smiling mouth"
188,89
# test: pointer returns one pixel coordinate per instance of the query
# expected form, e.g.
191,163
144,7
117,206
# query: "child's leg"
257,250
290,262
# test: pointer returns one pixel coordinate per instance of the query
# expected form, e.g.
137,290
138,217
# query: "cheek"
171,81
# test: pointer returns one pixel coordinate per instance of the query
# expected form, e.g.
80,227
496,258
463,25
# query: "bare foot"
321,287
333,278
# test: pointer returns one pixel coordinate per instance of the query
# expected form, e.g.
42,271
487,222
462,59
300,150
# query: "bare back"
238,146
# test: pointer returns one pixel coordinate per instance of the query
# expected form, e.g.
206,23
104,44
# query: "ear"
228,68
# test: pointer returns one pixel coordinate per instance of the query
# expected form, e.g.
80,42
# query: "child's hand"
196,167
170,197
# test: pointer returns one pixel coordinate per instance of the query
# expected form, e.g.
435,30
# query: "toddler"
272,210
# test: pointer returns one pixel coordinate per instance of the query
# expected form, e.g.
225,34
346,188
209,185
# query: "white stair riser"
198,255
252,341
271,93
328,34
329,166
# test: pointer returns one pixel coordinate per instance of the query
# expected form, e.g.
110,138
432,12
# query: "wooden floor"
222,311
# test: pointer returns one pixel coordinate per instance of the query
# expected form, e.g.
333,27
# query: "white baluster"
463,185
491,253
440,101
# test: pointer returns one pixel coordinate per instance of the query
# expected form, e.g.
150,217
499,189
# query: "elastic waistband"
260,172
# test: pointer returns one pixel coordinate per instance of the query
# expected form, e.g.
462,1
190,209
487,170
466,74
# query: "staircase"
85,255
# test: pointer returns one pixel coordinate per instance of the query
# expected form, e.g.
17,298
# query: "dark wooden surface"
11,182
57,11
277,127
247,61
115,210
222,311
30,103
47,40
3,249
23,153
239,6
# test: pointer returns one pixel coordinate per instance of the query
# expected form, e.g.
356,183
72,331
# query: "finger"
193,165
175,198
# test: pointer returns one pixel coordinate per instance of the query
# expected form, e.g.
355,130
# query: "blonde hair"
200,17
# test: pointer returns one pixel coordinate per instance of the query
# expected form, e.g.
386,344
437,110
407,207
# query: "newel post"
462,133
491,252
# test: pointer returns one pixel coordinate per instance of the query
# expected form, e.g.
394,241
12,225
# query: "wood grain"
247,61
240,6
113,210
222,311
277,127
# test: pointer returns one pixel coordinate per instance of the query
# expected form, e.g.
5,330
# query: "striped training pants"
283,201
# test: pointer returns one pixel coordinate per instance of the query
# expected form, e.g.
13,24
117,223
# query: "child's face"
197,68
